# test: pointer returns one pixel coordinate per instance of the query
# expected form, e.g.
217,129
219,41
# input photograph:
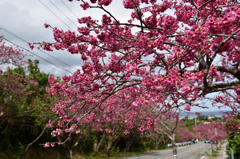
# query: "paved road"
185,152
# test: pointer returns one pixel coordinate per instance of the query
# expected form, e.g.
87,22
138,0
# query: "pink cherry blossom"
47,144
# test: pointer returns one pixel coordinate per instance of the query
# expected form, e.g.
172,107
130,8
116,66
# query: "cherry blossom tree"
167,124
13,82
11,54
232,125
14,85
192,53
214,131
183,134
14,88
116,116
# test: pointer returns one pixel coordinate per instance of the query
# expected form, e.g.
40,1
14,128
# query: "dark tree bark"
97,144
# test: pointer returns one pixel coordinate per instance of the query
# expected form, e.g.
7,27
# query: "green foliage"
216,119
92,154
20,150
202,118
46,153
24,113
234,143
117,149
206,153
232,125
141,144
196,156
86,145
213,154
189,123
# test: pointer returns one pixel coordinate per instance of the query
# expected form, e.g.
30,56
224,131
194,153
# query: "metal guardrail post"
181,144
232,154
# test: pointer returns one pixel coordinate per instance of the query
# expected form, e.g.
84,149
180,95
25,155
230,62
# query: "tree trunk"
157,141
115,142
109,147
128,143
95,143
156,145
98,145
111,141
216,146
212,146
70,152
174,147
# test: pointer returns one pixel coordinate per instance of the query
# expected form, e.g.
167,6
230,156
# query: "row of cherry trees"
213,131
24,100
193,53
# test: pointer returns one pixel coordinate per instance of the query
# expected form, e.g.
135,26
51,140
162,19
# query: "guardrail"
181,144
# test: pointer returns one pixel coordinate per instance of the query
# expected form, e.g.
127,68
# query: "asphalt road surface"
184,152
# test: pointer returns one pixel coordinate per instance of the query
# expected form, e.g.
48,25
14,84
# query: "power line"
54,14
39,50
63,13
35,54
69,9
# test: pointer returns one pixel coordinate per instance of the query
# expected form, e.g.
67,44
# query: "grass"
196,156
49,153
114,155
214,154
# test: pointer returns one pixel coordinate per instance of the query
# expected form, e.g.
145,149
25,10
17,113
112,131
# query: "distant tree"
25,105
14,113
202,118
11,54
183,134
214,131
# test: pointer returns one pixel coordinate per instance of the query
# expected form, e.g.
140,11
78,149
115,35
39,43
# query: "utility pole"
11,63
195,120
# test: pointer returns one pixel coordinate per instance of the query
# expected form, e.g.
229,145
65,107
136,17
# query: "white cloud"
26,19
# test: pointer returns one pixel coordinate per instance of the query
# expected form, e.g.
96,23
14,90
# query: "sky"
23,21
